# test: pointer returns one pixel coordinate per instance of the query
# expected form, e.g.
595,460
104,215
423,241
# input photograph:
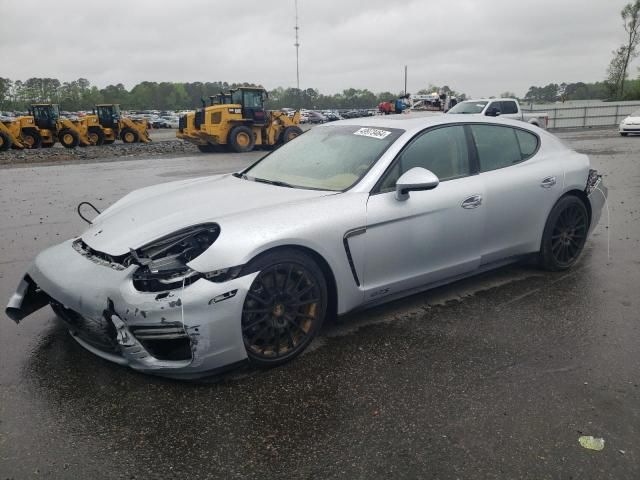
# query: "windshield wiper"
277,183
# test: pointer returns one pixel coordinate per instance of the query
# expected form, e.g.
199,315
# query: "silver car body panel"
375,246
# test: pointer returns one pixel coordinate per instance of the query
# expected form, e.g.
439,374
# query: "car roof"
415,122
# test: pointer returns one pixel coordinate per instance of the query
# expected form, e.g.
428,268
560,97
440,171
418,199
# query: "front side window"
442,151
325,158
252,99
497,146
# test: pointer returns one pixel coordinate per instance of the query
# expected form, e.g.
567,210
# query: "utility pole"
405,79
297,45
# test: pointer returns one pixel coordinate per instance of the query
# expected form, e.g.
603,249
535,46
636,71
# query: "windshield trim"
242,174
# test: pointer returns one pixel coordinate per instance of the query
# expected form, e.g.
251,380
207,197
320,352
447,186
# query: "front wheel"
129,135
623,134
565,234
68,138
290,133
284,308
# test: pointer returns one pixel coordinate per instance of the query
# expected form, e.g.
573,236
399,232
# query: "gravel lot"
493,377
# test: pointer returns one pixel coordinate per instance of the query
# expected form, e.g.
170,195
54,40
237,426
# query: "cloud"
479,47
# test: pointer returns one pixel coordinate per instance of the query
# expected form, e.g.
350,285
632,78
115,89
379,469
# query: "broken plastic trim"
593,179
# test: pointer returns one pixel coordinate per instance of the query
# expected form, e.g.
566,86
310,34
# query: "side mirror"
492,112
416,179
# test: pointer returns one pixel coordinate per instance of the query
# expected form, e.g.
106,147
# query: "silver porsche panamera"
190,277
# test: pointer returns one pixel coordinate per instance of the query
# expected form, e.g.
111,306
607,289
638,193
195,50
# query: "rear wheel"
68,138
284,308
31,138
129,135
290,133
5,142
242,139
564,234
96,136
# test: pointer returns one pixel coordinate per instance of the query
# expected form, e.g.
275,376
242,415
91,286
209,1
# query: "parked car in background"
631,124
500,107
316,117
189,277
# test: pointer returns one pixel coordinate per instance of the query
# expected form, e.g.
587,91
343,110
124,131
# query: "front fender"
318,225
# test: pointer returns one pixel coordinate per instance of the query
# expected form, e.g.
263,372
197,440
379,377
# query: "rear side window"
497,146
528,143
508,107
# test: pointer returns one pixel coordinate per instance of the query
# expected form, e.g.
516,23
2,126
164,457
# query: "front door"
434,234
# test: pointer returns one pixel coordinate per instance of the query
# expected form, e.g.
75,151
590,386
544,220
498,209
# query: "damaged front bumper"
597,193
187,332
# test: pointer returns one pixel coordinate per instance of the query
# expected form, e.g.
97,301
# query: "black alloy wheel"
284,309
565,234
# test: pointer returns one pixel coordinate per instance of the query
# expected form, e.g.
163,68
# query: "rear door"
521,185
434,234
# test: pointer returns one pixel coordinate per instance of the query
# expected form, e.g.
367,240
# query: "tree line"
81,95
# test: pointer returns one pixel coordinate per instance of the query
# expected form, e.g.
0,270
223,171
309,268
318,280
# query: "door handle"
548,182
473,201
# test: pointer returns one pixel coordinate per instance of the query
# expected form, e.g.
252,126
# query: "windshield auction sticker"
372,132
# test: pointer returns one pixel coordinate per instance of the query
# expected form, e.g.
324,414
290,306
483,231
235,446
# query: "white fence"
585,116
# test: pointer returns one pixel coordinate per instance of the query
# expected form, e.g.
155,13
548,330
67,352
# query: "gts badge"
380,292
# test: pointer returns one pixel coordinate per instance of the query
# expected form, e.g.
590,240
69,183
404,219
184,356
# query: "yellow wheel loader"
237,120
108,124
51,127
41,128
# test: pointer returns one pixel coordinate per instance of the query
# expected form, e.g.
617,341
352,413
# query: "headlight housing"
163,262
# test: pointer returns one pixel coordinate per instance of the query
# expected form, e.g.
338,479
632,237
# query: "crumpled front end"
184,332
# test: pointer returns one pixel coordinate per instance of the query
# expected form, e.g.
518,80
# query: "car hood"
150,213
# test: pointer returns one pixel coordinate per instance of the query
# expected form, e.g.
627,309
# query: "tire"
129,135
210,148
31,138
565,234
96,136
5,142
284,308
68,138
623,134
242,139
290,133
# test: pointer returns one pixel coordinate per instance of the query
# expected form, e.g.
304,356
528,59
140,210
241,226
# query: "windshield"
468,107
325,158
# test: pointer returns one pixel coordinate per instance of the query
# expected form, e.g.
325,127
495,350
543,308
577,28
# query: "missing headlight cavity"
163,263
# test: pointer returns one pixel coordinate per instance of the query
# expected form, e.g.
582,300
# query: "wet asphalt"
493,377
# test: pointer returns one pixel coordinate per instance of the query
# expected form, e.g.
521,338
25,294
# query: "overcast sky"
481,47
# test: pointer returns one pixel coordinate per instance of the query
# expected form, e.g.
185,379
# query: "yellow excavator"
42,128
237,120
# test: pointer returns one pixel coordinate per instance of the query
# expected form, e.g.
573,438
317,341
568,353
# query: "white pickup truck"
503,107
